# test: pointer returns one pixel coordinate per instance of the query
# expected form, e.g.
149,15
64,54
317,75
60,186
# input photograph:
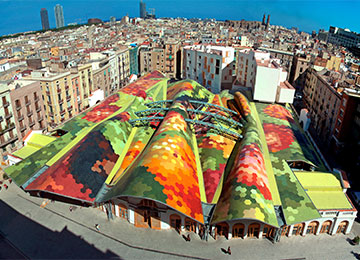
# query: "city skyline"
284,13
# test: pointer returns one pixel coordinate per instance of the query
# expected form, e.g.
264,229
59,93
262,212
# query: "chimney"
263,21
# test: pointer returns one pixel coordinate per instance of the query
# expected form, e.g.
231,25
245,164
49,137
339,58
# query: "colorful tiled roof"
166,170
246,192
279,127
175,161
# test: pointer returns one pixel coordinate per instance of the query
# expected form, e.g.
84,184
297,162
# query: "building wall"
163,221
266,83
298,69
102,79
8,136
85,83
134,64
28,106
334,63
325,107
58,98
339,36
124,67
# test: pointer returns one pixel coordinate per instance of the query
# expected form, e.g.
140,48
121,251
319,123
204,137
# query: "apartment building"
261,74
343,37
346,135
28,106
151,59
83,90
211,66
58,95
172,59
134,63
8,136
124,66
102,78
165,57
322,98
298,69
285,58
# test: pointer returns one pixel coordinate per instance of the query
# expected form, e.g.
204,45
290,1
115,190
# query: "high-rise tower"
263,21
142,9
268,22
44,19
59,16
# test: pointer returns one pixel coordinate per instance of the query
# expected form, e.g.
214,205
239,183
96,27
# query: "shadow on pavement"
36,241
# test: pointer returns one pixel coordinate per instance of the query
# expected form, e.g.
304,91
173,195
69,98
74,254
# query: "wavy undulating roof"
246,192
77,164
214,152
166,170
102,156
279,127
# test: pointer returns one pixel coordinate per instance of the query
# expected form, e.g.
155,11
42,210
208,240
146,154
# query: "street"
56,232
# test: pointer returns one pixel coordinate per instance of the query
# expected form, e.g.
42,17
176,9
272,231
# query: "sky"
307,15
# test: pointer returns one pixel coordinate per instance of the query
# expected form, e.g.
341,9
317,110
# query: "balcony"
49,103
27,103
70,108
40,118
47,93
66,87
51,113
38,109
6,104
7,128
29,113
68,98
62,112
36,99
58,90
31,123
20,117
7,116
18,108
22,128
61,101
9,141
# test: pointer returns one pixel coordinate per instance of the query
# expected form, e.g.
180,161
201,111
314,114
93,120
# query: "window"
344,102
217,71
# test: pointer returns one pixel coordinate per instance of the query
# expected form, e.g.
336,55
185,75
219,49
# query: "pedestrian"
229,250
6,187
10,181
188,238
97,227
71,208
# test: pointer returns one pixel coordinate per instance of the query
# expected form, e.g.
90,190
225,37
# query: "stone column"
305,228
290,230
261,230
230,230
131,215
246,226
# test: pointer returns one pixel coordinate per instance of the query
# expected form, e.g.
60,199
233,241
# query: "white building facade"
206,64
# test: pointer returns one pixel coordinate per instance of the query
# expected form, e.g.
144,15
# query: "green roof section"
35,142
296,204
25,151
327,200
324,189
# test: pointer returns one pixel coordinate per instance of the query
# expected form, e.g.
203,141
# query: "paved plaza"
55,232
